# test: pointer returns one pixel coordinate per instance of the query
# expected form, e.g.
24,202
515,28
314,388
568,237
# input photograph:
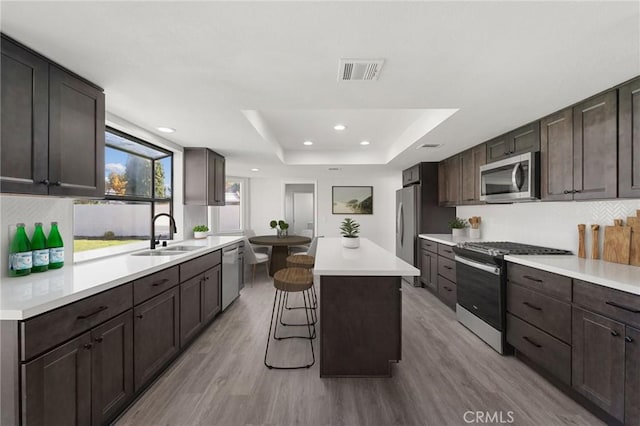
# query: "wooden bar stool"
285,281
301,261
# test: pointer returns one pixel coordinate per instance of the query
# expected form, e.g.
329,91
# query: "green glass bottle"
20,253
40,250
56,248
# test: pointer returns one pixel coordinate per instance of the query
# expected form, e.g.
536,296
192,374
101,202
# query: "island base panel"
360,334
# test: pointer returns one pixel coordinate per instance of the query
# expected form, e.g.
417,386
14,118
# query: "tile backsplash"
552,224
30,209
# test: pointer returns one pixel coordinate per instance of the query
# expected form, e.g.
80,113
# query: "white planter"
457,232
351,242
200,235
474,233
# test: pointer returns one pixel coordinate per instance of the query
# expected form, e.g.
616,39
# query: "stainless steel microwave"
512,179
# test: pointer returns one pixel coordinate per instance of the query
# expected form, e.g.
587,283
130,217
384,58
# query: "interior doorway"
300,208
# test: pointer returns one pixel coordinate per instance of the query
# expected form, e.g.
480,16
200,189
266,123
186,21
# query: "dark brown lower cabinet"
211,294
156,335
632,384
429,270
56,387
598,358
112,367
190,308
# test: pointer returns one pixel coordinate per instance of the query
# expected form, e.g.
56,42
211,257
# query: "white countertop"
25,297
368,259
447,239
608,274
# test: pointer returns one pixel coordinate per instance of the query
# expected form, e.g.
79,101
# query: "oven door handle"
487,268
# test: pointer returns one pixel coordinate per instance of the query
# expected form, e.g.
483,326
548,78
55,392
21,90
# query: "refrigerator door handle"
400,225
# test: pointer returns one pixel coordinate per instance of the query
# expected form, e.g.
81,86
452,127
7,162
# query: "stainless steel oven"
481,298
513,179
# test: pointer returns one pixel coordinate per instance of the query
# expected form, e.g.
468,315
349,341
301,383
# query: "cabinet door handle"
628,339
446,288
98,339
529,277
567,191
159,283
96,312
531,342
626,308
140,316
56,183
576,191
45,182
88,346
447,267
614,333
532,306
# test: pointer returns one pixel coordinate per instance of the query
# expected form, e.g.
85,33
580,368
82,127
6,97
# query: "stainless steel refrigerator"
418,212
406,226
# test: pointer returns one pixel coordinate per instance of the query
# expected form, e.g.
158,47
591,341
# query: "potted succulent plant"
350,229
200,231
282,227
457,226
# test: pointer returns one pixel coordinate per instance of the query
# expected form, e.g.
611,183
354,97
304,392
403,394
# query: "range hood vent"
359,69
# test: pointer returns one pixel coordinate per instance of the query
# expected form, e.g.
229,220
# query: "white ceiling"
212,70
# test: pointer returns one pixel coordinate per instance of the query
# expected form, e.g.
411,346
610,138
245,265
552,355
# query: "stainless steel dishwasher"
232,273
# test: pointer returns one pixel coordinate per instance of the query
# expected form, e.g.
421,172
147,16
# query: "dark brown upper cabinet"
629,140
411,175
521,140
25,121
556,156
595,158
204,177
632,375
449,181
76,136
52,128
470,162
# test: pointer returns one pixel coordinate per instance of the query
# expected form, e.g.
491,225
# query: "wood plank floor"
445,371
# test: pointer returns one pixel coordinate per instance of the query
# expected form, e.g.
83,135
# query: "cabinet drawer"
147,287
543,349
447,268
447,292
49,329
557,286
549,315
446,251
429,245
199,265
615,304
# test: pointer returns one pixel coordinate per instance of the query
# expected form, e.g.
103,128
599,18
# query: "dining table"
279,248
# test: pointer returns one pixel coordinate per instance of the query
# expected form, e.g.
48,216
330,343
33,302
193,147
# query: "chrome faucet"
172,223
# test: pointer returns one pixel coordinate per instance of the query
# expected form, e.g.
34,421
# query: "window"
138,185
229,218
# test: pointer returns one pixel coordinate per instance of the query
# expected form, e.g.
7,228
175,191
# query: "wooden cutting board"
634,249
617,244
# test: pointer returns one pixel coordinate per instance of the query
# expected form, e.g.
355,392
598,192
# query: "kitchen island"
360,308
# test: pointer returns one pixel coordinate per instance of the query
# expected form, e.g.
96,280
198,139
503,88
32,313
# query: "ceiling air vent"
428,145
359,69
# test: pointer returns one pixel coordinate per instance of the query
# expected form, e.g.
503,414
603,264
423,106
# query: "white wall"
28,210
267,203
552,224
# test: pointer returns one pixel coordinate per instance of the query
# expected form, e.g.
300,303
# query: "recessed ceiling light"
365,143
255,170
307,143
166,129
339,127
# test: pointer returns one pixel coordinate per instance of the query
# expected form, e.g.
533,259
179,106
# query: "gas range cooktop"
501,248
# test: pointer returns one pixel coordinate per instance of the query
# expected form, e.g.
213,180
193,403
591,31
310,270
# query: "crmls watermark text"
483,417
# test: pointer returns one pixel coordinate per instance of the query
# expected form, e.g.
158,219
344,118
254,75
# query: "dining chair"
302,249
256,247
311,251
253,257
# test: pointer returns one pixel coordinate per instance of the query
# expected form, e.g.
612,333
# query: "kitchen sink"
181,248
164,252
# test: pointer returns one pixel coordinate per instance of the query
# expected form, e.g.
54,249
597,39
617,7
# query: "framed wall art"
352,199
